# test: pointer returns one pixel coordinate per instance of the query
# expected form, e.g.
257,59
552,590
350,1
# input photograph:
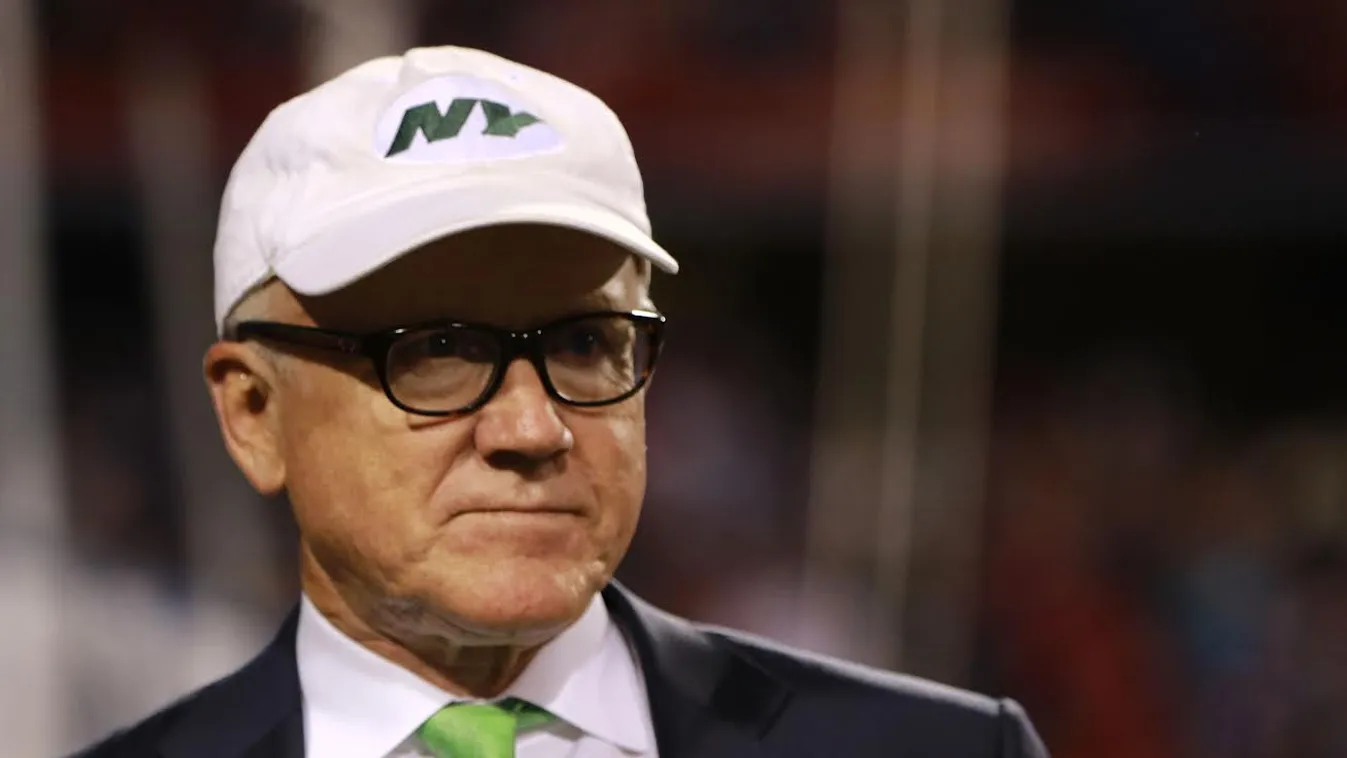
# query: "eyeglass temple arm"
304,336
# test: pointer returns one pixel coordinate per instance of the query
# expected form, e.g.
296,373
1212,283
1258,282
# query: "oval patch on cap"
462,119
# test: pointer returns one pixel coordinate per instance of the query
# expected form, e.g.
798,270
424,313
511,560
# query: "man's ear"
242,385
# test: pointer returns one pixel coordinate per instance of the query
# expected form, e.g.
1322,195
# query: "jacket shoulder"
141,740
228,714
816,672
899,710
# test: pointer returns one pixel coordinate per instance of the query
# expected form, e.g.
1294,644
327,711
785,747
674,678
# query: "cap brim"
377,231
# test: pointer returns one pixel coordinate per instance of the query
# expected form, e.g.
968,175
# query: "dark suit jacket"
713,694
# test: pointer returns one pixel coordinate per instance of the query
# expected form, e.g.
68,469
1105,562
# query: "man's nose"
520,425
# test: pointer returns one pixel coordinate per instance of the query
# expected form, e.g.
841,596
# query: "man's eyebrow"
598,301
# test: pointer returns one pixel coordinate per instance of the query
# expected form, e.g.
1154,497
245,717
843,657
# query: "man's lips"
526,510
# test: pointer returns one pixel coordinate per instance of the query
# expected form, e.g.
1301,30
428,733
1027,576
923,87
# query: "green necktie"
481,730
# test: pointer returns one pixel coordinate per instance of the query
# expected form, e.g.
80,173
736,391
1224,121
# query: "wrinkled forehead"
516,276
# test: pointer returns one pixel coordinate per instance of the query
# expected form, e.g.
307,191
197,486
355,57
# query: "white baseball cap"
400,151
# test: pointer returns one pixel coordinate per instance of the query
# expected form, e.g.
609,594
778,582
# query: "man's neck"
474,671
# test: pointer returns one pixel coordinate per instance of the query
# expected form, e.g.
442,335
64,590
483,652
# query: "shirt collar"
358,704
589,678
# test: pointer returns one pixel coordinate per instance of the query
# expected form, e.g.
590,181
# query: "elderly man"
432,288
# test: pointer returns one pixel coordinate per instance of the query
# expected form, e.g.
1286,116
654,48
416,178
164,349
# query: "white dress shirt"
358,704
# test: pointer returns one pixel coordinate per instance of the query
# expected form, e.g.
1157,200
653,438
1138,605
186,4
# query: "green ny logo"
427,119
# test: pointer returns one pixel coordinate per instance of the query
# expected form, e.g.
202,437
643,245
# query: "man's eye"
584,341
462,345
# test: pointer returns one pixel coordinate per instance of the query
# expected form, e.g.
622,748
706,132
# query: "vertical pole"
951,168
905,391
906,368
345,33
33,703
228,542
846,468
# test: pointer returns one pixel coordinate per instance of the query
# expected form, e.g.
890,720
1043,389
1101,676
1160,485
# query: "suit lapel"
705,700
284,740
254,713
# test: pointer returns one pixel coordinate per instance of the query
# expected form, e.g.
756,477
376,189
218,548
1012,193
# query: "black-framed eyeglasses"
447,368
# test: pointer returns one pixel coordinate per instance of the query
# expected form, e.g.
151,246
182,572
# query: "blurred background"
1008,347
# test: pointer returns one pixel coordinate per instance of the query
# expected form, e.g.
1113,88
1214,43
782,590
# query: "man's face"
500,524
